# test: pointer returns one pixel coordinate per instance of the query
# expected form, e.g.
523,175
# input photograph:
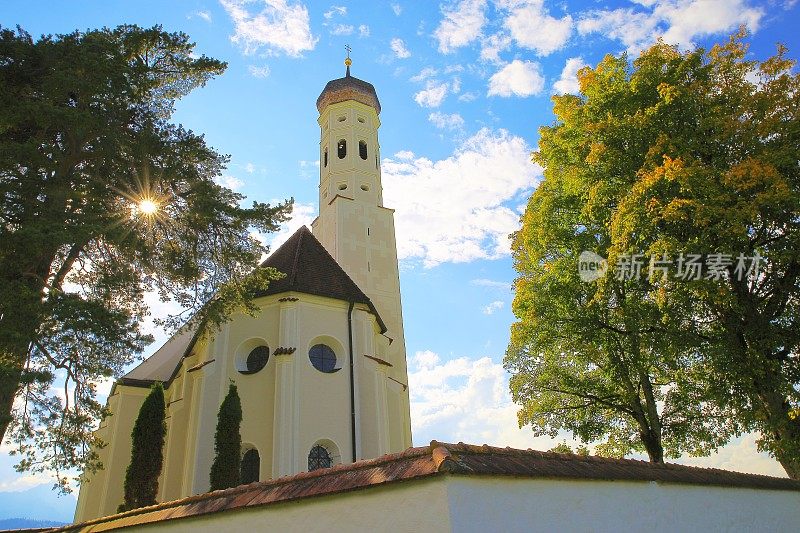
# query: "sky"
464,86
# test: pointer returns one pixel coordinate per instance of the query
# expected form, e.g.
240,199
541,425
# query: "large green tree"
225,470
104,200
147,452
674,156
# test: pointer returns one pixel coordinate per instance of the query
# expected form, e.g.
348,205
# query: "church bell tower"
353,224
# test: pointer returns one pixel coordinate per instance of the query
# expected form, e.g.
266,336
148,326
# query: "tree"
225,471
103,201
678,155
147,452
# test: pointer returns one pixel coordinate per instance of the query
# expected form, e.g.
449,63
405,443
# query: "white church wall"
546,505
413,507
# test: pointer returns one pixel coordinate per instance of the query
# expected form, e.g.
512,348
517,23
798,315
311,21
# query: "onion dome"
348,88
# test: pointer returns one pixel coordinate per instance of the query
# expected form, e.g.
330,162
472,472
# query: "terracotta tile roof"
437,459
310,269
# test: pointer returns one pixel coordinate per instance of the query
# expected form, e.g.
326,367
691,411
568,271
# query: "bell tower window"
341,149
362,150
325,156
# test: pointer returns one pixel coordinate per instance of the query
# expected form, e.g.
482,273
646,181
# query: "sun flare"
147,206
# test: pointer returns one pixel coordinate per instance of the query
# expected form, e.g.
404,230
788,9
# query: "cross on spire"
348,61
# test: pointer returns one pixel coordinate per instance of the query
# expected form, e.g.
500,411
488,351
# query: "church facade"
321,368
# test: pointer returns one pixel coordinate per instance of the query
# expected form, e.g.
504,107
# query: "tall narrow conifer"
225,472
141,478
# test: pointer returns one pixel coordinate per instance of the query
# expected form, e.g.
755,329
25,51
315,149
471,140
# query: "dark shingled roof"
348,88
438,459
309,269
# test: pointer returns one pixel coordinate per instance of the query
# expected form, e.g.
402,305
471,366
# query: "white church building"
326,432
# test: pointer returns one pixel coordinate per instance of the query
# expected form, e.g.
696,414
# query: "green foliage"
226,469
85,134
563,447
147,452
691,152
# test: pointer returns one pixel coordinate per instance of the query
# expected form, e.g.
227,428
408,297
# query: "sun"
147,206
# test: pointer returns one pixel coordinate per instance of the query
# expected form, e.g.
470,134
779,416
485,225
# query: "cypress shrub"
227,442
147,457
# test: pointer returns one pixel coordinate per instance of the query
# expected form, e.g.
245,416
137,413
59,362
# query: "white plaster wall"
530,505
413,507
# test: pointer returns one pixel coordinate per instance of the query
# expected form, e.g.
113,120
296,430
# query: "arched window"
319,457
323,358
325,157
251,466
362,150
341,148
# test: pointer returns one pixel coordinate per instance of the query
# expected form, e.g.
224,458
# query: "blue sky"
464,87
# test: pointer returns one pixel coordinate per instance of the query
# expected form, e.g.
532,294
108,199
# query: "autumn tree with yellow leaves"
675,155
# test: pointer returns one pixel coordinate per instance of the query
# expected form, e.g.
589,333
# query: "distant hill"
26,523
39,503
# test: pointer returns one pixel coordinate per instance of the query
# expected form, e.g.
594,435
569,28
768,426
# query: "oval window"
323,358
256,360
341,148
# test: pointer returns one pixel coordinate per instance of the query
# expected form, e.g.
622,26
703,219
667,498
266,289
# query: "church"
326,430
321,370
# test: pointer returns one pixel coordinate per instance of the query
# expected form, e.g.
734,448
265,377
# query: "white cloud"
302,215
492,307
249,168
230,182
676,21
445,121
205,15
279,27
397,8
518,78
490,283
467,97
455,209
493,45
461,25
335,10
467,399
449,69
455,85
363,30
568,82
424,74
399,48
532,27
404,154
258,72
308,168
433,95
342,29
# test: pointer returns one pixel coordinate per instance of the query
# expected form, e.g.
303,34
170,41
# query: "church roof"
348,88
438,459
309,269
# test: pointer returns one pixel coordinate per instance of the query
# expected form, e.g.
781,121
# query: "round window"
323,358
256,360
